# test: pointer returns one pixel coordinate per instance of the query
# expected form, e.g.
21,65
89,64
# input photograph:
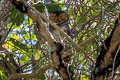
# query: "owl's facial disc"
63,17
53,17
59,17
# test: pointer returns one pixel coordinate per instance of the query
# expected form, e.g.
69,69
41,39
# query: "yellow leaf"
37,56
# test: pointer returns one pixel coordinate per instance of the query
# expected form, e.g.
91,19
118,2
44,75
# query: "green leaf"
73,68
54,7
27,36
24,57
33,37
84,77
28,21
40,8
18,44
42,77
21,19
1,72
13,13
23,32
9,25
18,27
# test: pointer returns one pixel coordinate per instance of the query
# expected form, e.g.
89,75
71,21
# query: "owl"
61,19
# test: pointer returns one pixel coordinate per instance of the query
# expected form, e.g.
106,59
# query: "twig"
114,61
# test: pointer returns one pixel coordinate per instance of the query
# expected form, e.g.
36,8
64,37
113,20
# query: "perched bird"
61,18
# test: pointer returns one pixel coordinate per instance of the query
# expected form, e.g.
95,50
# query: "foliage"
87,17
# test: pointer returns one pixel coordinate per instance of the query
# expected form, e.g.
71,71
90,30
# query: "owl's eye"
53,17
63,17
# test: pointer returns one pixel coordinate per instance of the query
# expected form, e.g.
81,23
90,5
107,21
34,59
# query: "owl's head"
59,17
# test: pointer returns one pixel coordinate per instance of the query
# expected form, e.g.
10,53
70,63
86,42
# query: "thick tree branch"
33,75
108,60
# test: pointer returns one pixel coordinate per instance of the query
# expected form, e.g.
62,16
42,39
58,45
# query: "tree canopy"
27,47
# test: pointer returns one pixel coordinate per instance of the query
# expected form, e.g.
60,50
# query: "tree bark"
108,60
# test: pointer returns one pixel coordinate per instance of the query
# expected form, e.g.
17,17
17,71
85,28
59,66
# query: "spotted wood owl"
61,18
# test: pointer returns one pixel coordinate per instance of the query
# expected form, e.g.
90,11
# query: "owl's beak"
57,21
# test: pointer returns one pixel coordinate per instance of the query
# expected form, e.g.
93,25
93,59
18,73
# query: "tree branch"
33,75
